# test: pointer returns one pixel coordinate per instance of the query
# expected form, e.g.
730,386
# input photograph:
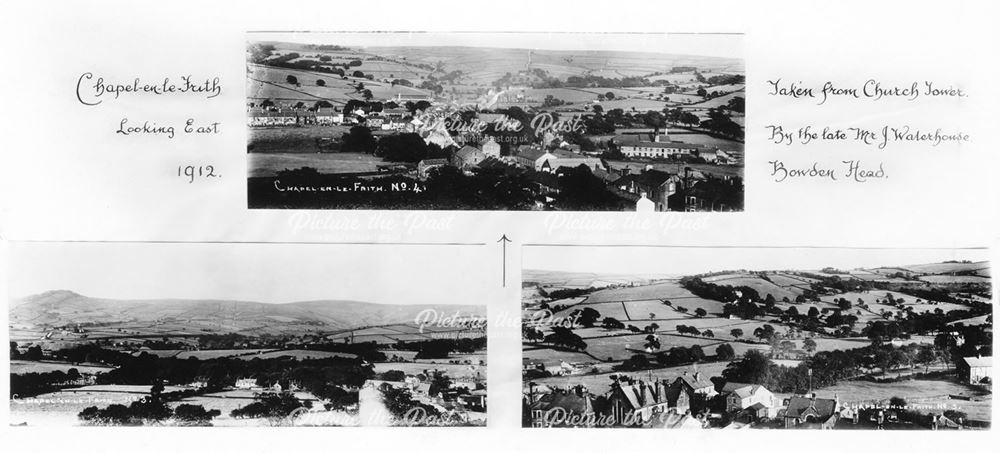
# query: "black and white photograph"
495,121
245,335
757,338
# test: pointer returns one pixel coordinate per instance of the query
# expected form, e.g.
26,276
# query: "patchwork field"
28,366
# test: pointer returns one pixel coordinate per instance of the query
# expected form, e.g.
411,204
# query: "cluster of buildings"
389,119
689,401
462,401
661,147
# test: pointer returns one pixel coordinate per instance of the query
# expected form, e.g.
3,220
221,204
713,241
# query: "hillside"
66,308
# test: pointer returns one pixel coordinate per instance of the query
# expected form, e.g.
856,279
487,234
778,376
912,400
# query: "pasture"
269,164
453,371
30,366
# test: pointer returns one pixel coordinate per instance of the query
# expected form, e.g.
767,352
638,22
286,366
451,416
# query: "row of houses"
672,404
388,119
661,147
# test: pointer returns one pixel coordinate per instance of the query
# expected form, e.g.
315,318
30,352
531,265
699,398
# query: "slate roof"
799,406
691,381
741,390
530,152
467,151
570,402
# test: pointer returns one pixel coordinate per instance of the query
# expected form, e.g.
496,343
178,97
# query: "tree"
270,405
810,345
291,80
612,323
586,317
609,95
33,353
652,342
844,304
736,333
367,94
564,337
320,82
708,334
359,140
725,351
194,414
813,312
765,332
700,312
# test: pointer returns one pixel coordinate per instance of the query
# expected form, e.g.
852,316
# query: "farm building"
975,369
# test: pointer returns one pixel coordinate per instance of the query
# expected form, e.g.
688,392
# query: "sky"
270,273
714,45
697,260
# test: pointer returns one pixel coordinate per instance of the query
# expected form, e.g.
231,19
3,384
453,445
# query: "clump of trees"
271,405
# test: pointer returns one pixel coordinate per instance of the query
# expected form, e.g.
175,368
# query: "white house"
742,396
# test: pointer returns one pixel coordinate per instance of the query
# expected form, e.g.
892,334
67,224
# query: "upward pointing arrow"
503,263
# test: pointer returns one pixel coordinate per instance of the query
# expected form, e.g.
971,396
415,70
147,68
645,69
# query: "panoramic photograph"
108,334
758,338
495,121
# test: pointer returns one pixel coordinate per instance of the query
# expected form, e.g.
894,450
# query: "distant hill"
65,308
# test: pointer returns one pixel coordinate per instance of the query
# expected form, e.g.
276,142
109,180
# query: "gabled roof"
467,151
568,401
640,396
741,390
668,145
975,362
530,152
652,178
427,162
757,406
696,383
800,406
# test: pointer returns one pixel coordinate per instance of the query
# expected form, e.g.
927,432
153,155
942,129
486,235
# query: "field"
328,163
27,366
958,279
219,353
925,395
763,287
391,334
452,370
665,290
297,354
60,408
